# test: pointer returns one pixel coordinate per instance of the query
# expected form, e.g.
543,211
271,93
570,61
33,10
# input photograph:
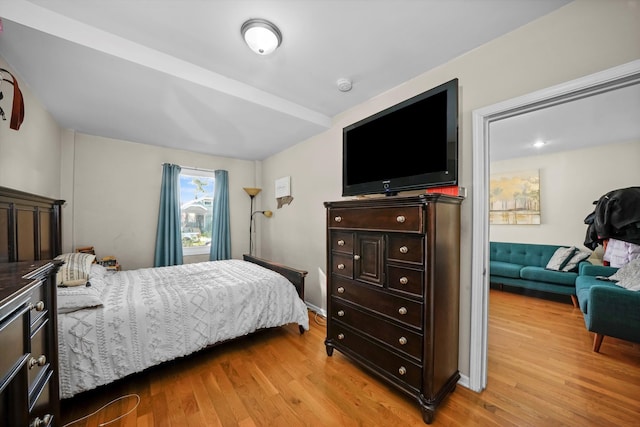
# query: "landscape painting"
514,198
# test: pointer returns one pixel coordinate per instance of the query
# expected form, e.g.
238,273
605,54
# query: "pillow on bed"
72,298
76,267
97,270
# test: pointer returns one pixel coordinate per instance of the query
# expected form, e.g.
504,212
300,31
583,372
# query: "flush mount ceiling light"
261,36
539,144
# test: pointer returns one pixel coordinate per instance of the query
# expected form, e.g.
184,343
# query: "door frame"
621,76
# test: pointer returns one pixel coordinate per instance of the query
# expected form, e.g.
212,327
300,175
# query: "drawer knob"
340,313
39,306
340,242
404,280
338,219
404,249
340,266
402,340
341,290
401,219
340,336
402,370
41,422
356,257
40,361
402,310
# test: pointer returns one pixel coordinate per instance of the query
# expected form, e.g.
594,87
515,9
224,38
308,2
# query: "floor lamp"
253,192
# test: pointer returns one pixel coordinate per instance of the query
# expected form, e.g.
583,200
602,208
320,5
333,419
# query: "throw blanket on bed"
153,315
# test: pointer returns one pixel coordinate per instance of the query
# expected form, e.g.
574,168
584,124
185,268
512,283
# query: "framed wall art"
514,198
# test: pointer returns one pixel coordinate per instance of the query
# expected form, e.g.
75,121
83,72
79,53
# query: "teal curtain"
169,235
220,234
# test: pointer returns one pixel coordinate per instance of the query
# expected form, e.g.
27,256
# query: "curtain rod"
192,168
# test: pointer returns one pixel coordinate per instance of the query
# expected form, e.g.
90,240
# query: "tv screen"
412,145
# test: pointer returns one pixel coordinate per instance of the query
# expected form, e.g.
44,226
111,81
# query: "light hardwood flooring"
542,372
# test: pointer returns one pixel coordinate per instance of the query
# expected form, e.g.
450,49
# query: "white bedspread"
153,315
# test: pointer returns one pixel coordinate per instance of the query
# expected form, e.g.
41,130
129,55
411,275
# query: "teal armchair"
608,309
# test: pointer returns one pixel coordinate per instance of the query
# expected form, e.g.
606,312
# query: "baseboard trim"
316,309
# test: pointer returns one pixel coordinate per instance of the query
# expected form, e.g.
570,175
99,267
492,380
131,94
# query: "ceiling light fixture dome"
261,36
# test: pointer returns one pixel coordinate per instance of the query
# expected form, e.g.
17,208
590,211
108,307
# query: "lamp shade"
261,36
252,192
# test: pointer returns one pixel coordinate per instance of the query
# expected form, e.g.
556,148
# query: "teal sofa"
608,309
523,265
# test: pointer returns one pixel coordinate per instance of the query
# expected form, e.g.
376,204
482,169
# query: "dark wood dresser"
29,390
393,291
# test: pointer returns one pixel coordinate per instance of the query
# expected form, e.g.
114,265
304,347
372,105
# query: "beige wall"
114,193
112,186
584,37
30,156
569,183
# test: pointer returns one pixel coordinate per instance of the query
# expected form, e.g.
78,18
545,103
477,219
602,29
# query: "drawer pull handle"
404,249
340,336
402,310
40,361
341,290
404,280
402,370
356,257
401,219
338,219
341,242
340,313
41,422
402,340
39,306
340,266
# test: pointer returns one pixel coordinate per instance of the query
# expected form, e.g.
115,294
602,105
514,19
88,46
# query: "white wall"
30,156
114,193
579,39
569,184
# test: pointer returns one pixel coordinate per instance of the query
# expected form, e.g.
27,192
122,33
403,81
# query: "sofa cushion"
583,289
543,275
522,253
505,269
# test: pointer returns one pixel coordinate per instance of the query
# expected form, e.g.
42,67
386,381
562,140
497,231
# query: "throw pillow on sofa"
560,258
628,276
576,258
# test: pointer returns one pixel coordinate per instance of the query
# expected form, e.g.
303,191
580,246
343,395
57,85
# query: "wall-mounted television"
410,146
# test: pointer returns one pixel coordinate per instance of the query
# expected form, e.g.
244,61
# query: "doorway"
608,80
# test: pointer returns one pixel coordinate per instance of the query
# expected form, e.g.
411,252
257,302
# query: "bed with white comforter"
151,315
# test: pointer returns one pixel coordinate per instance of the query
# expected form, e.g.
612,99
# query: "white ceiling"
176,73
604,118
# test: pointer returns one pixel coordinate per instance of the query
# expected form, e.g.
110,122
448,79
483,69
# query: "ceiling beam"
55,24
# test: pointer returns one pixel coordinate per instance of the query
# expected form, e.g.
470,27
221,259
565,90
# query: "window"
196,210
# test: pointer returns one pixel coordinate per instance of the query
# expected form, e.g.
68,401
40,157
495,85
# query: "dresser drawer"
391,364
376,328
405,218
405,280
40,401
13,332
342,264
397,308
37,301
342,242
39,359
405,248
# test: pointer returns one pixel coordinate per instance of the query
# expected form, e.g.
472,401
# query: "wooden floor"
542,372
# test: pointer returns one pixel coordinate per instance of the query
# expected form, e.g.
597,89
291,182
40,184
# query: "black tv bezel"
392,186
